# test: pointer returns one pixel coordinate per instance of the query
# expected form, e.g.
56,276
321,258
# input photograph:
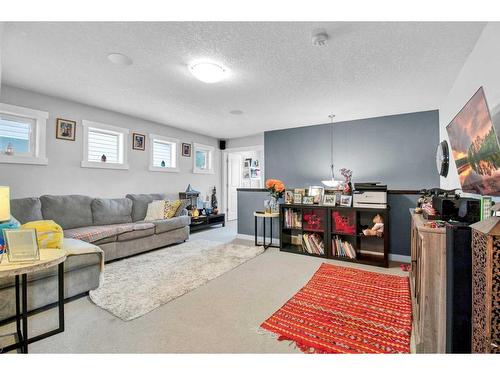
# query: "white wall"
1,40
64,175
251,140
481,68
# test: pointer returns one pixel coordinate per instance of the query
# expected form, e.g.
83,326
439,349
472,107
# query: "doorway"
242,168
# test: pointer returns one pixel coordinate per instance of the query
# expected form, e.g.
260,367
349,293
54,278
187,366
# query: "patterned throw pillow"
171,208
182,207
156,211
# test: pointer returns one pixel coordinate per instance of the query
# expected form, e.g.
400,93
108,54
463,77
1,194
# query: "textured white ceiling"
277,77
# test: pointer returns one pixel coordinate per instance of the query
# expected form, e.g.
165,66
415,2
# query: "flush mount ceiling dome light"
120,59
207,72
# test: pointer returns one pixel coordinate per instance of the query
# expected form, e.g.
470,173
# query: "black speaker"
222,144
458,288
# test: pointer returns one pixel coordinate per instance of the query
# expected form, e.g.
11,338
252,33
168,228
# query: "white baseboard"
393,257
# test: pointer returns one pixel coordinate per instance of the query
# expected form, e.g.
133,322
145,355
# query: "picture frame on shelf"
138,141
22,245
297,198
247,163
346,200
317,193
308,200
186,150
300,191
65,129
288,196
329,199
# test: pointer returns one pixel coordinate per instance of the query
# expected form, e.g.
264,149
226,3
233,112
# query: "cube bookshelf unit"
302,230
304,227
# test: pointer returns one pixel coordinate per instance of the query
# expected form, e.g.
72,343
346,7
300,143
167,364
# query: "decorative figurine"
377,229
347,173
103,158
162,163
9,150
213,199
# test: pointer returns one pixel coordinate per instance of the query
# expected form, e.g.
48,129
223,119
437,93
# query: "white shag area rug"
135,286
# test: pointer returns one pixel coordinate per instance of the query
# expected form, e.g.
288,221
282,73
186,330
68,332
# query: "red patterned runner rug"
347,310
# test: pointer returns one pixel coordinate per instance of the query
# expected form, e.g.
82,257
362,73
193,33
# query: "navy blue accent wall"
397,150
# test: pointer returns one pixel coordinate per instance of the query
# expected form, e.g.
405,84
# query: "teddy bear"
377,229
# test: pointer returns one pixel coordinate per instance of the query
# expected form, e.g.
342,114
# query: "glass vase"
273,205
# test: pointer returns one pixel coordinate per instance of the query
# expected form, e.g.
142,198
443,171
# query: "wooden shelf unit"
370,250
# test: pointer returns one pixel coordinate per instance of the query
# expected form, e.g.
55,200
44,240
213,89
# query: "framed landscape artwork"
475,147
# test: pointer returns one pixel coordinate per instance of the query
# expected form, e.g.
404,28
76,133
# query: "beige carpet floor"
219,317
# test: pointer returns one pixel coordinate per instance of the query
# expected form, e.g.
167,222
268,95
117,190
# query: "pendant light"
332,183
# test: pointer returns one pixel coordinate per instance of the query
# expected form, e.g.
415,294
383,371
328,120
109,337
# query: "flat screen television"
475,147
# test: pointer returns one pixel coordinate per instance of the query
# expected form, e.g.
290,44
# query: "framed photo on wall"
65,129
22,245
138,141
186,150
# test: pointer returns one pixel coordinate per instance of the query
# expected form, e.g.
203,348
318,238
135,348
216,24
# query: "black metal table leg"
24,341
22,313
264,232
61,296
255,230
18,311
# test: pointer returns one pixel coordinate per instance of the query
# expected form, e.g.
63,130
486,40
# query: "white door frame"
224,169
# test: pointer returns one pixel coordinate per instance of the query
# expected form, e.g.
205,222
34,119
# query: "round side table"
48,258
265,216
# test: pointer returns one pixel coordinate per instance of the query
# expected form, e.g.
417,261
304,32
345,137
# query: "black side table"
265,216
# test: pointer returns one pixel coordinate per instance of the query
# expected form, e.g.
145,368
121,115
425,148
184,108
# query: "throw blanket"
77,247
98,232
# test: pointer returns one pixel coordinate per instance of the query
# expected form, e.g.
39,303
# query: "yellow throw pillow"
49,234
171,208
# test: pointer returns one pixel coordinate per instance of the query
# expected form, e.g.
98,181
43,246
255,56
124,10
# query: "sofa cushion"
96,233
111,211
139,233
140,204
26,209
69,211
167,225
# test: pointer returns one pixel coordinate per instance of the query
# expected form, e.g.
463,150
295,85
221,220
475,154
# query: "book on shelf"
341,248
292,219
313,243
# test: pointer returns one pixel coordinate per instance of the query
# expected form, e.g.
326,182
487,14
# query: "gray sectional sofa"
98,228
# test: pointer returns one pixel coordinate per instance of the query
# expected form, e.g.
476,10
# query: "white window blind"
16,132
104,143
163,152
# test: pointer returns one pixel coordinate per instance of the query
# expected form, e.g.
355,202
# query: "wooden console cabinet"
428,285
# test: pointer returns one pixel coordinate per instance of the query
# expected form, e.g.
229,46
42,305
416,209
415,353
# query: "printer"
369,195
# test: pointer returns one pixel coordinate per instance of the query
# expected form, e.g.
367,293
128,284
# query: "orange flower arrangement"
275,187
